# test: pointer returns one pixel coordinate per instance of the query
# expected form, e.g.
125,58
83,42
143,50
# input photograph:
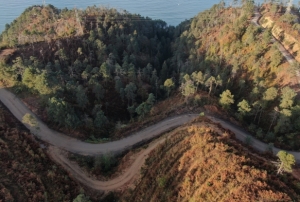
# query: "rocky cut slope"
284,26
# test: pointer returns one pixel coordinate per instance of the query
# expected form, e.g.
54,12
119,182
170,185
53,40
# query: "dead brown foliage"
196,165
27,173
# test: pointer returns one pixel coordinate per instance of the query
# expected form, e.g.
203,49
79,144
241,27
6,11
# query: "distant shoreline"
168,11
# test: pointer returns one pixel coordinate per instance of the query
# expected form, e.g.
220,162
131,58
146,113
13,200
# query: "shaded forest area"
196,164
114,66
91,81
91,72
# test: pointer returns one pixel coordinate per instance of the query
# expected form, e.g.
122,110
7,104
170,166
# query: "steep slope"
112,72
222,51
196,164
284,25
27,173
27,27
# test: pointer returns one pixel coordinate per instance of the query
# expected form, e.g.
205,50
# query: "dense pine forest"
109,73
96,69
94,72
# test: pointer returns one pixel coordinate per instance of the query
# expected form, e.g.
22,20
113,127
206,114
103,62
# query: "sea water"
171,11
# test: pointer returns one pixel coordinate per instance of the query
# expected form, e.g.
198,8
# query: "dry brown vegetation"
27,173
198,165
5,54
287,33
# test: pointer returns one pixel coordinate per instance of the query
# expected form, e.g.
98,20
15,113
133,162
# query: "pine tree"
169,85
226,99
286,161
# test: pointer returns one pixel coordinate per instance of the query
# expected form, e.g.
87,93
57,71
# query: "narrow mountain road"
18,109
242,135
59,140
126,178
62,142
286,54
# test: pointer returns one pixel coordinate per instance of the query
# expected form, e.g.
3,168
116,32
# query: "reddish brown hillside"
27,174
198,165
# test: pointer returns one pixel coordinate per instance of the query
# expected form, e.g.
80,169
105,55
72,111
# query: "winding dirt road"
18,109
286,54
126,178
255,143
59,140
283,51
62,142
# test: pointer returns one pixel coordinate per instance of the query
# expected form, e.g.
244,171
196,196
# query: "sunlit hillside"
201,163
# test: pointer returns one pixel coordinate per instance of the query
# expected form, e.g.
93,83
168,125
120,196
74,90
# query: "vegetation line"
19,110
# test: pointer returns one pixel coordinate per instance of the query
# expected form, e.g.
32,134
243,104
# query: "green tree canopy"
81,97
198,78
169,85
41,84
270,94
28,77
188,88
226,99
244,107
81,198
145,107
286,161
287,97
209,83
100,119
130,92
99,91
151,99
142,109
104,70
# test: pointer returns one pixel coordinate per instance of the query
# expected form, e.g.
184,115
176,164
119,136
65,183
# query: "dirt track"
122,181
18,109
61,141
286,54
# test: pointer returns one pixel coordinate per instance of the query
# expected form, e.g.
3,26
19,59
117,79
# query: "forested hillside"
196,164
88,83
283,22
220,50
91,72
40,23
115,65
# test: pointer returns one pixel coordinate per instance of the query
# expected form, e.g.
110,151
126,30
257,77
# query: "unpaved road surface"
283,51
242,135
125,179
131,173
60,141
286,54
18,109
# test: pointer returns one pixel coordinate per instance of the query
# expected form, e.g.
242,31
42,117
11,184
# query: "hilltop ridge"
99,74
